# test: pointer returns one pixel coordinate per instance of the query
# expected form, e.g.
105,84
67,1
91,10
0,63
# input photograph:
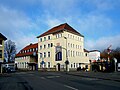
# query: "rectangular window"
51,44
44,54
0,53
40,47
48,45
40,39
44,46
33,49
44,38
73,53
30,50
48,37
48,64
68,44
71,45
71,65
69,53
36,49
40,55
48,54
74,65
76,53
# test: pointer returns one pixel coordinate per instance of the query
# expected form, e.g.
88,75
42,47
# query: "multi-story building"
27,57
60,44
2,39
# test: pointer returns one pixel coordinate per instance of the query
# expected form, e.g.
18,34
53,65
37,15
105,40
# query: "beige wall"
22,61
2,48
71,39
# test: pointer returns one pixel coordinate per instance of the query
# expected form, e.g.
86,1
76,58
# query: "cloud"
95,24
87,16
103,42
102,5
16,26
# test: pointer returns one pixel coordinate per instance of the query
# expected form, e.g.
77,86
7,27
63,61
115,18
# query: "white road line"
31,74
52,76
57,76
70,87
42,77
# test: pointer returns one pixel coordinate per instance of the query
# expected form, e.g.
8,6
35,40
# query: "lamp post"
66,62
115,60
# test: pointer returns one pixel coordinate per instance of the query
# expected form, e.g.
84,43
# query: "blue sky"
98,20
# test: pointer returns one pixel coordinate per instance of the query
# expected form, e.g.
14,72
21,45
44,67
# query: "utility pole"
66,62
108,51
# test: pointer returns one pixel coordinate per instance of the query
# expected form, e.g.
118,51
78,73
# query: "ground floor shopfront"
102,66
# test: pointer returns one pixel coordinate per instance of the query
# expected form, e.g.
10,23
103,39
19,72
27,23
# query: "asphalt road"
53,81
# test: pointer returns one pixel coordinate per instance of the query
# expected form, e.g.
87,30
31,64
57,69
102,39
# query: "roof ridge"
60,27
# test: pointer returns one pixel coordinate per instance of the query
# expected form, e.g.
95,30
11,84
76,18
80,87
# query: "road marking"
70,87
57,76
42,77
52,76
91,79
31,74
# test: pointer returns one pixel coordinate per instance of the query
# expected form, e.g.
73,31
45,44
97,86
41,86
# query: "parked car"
9,68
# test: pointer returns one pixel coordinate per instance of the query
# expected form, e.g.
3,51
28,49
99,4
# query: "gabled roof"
31,46
61,27
3,37
85,50
94,51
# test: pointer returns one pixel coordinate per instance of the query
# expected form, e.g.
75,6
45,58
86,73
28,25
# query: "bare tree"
115,53
10,51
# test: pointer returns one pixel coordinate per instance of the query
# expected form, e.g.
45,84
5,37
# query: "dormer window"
33,49
27,50
36,49
30,50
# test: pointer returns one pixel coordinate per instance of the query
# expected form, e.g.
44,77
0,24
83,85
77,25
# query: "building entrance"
58,66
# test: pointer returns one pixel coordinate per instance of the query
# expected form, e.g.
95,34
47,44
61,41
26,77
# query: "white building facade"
59,44
94,55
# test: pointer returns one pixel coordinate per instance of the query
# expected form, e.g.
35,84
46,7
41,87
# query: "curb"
95,77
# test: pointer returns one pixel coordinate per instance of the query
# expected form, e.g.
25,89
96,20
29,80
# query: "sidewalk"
114,76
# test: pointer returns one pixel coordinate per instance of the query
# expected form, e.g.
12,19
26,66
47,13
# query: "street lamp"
115,60
66,62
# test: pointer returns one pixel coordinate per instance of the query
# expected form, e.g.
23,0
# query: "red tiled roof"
61,27
31,46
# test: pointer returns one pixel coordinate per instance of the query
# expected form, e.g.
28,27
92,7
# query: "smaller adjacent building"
94,55
2,39
27,57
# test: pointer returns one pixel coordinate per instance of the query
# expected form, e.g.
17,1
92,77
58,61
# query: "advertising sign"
58,55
